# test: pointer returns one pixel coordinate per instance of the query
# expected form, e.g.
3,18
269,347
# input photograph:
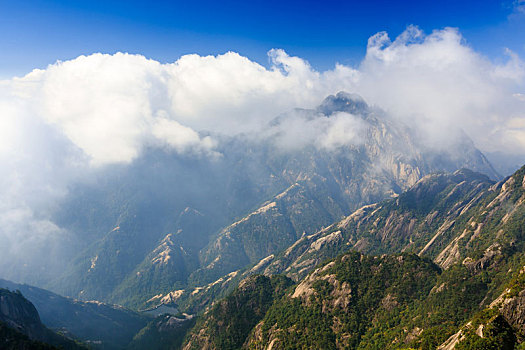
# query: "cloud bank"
111,106
439,83
77,116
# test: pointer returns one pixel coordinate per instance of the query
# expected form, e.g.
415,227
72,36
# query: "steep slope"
501,324
363,302
424,220
396,301
359,301
269,229
227,324
420,220
121,218
17,313
443,216
109,326
169,264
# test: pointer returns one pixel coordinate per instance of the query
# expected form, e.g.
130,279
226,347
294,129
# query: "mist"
77,119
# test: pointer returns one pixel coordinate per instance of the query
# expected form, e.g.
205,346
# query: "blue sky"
37,33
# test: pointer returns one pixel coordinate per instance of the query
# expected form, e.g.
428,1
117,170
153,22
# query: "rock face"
327,185
420,220
514,312
492,333
443,216
18,314
11,339
174,258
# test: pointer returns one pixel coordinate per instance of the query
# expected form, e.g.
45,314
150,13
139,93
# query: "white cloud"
298,129
110,106
438,83
179,137
107,105
344,129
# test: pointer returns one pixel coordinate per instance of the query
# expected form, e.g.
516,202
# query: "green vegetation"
352,298
497,335
227,324
403,224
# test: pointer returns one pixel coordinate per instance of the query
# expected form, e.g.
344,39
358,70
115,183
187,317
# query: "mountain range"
170,222
372,241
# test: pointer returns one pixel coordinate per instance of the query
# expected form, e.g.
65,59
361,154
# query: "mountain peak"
343,102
